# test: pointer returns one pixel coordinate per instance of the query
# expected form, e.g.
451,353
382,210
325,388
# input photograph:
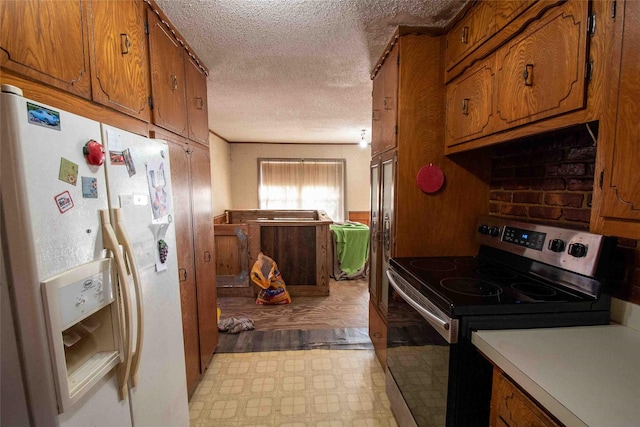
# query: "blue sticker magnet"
89,187
41,116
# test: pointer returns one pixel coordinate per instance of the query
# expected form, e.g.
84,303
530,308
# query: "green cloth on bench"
352,245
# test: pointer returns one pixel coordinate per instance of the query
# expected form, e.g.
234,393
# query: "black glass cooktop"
470,285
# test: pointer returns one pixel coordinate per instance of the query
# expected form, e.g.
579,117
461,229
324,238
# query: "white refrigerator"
91,319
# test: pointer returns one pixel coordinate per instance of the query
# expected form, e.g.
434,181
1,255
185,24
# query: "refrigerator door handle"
123,238
111,244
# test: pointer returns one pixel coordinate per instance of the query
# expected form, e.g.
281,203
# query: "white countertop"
584,376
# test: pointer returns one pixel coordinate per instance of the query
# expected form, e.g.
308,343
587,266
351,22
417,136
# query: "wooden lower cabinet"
511,407
191,181
378,334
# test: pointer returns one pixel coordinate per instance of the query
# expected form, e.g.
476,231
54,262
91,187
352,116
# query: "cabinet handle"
386,233
376,115
182,274
464,36
174,82
125,44
199,103
207,256
528,75
465,106
388,103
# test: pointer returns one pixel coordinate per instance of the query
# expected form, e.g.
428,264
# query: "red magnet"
94,152
430,178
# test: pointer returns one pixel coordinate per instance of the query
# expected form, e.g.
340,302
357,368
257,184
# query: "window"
314,184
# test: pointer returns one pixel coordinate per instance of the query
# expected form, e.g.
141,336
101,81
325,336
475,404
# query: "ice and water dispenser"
83,325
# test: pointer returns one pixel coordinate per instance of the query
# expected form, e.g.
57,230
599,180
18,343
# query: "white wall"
244,170
220,174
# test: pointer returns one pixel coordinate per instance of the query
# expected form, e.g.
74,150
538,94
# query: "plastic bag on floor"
265,274
233,325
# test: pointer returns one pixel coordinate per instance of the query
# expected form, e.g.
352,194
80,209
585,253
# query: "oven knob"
494,231
483,229
557,245
577,250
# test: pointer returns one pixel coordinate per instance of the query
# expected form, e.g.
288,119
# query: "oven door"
419,342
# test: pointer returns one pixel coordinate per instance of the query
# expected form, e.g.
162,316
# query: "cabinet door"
621,180
541,73
47,41
120,62
470,104
387,205
472,30
390,100
204,247
197,110
512,408
377,145
167,78
374,256
186,271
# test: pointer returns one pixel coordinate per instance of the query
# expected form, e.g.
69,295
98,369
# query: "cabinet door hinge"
591,25
396,130
146,27
601,182
614,7
398,60
150,99
588,71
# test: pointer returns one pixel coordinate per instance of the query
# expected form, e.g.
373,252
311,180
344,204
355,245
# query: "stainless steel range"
524,276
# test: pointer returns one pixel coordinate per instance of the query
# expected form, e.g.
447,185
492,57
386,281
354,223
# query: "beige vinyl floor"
319,388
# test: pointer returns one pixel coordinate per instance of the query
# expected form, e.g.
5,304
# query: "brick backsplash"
549,179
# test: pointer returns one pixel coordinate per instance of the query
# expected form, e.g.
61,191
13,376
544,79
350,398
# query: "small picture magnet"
116,157
68,171
128,161
89,187
41,116
64,201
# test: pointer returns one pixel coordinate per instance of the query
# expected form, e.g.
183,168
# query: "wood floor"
337,321
345,307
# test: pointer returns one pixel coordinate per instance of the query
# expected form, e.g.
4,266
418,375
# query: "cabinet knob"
527,75
125,44
182,274
174,82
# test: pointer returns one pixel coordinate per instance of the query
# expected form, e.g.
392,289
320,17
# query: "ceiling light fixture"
363,141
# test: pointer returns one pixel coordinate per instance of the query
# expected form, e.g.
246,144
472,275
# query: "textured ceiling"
295,70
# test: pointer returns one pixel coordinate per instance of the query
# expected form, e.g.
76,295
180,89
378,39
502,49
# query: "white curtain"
314,184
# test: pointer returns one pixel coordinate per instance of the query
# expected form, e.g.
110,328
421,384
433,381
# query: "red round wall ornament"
430,178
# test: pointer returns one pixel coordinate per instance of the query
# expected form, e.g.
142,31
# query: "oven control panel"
572,250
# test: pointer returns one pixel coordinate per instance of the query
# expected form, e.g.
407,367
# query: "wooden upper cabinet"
470,104
47,41
507,10
119,56
197,110
472,30
390,101
385,105
619,136
167,77
541,73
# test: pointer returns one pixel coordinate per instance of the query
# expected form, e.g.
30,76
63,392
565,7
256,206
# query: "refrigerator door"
139,184
51,200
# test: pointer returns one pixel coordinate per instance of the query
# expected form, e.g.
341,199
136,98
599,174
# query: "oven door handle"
447,328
